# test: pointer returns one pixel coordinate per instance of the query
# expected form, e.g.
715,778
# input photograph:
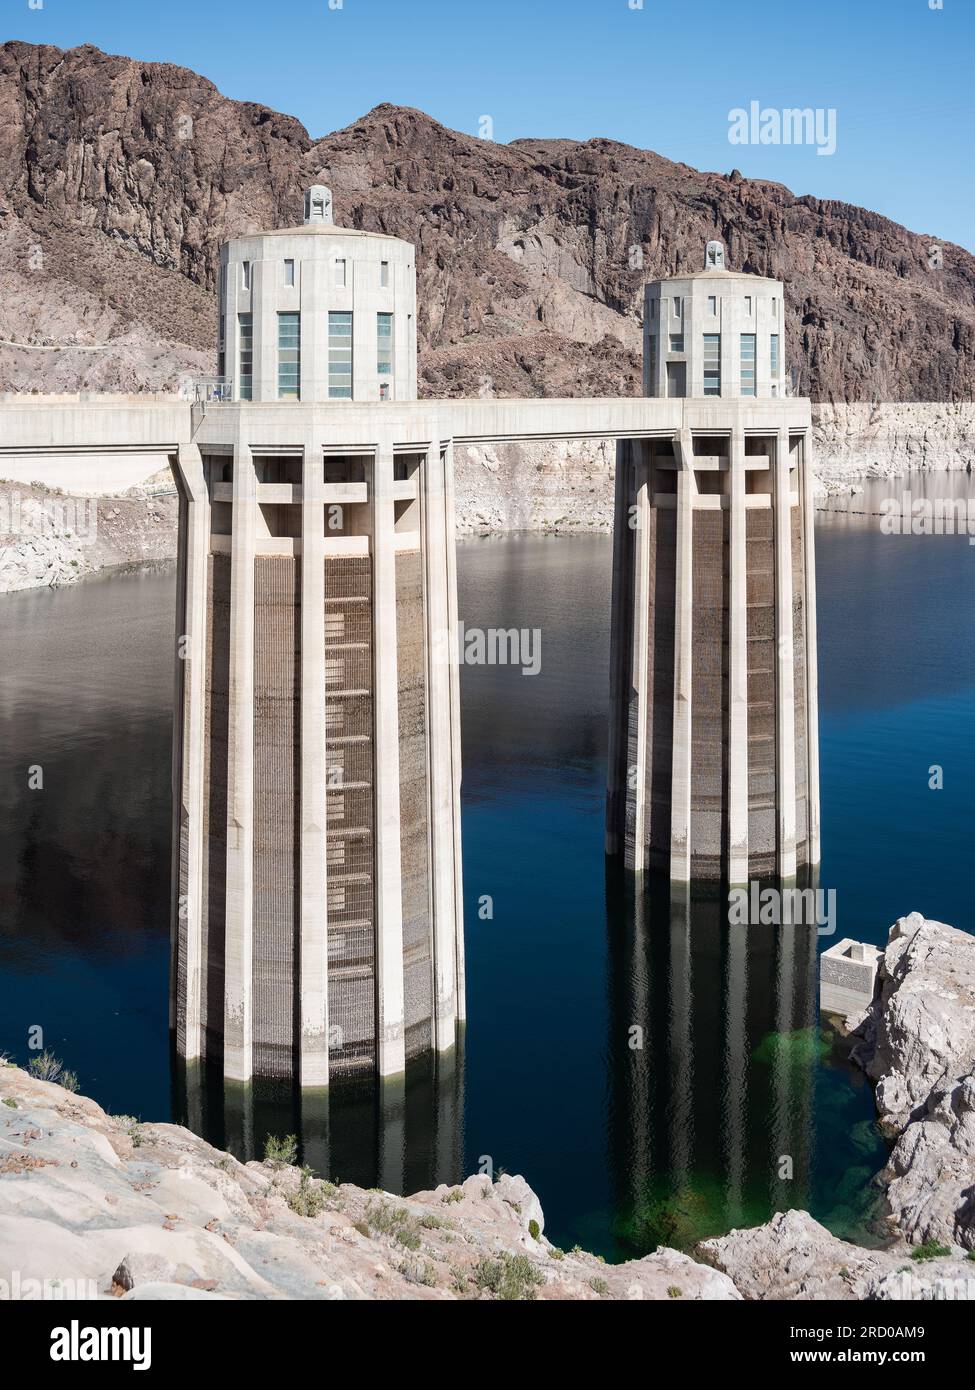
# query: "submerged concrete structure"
713,765
317,919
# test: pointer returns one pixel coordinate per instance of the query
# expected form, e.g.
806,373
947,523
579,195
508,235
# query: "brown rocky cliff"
128,176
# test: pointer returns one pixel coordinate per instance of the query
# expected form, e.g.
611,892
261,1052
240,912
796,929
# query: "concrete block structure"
713,768
847,975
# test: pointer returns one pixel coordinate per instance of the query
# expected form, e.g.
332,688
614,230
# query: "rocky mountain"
119,180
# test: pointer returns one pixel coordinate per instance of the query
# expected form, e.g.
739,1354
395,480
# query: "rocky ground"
114,1208
131,1210
49,537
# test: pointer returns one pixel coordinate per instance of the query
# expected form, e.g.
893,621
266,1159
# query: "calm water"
733,1106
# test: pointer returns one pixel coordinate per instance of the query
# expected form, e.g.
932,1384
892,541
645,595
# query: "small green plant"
431,1222
534,1230
311,1198
930,1250
508,1277
970,1255
599,1286
396,1222
416,1271
674,1291
281,1153
556,1253
454,1195
46,1067
9,1100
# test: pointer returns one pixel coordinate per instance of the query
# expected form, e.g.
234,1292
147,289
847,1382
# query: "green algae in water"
801,1048
681,1217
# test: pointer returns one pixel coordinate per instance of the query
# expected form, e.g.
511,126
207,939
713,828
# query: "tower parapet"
717,334
318,313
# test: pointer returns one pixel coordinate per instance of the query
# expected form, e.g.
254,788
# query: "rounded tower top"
317,312
714,332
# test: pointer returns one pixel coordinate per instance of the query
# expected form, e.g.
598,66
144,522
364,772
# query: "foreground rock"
918,1044
105,1207
794,1257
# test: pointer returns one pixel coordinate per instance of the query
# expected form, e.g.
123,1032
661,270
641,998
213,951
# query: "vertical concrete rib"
639,469
390,1026
435,583
313,948
188,741
812,671
455,744
785,705
737,668
238,995
619,681
680,828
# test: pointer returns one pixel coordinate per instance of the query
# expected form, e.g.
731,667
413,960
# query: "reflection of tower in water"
712,1044
401,1135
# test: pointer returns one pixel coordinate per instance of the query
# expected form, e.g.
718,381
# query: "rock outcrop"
119,179
917,1041
918,1045
51,538
794,1257
98,1206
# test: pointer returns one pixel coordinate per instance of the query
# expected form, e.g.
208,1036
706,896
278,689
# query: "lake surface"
730,1104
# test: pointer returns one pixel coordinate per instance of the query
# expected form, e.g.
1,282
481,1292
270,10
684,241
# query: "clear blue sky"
900,76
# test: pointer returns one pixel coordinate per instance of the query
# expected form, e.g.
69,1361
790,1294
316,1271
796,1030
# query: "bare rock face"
921,1036
119,180
96,1206
919,1046
49,538
794,1257
884,440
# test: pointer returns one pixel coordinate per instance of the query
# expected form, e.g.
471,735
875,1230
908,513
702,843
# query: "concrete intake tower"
714,764
317,924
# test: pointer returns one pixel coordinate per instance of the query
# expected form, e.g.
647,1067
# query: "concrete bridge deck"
84,424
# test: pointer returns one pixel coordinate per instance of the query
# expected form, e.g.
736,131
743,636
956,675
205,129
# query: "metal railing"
213,390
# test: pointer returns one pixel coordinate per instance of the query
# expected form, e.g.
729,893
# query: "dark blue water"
733,1104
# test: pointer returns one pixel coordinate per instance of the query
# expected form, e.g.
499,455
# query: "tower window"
340,356
712,364
748,304
712,303
775,354
384,274
245,274
289,356
677,342
653,308
289,272
245,328
678,305
338,274
748,364
384,344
